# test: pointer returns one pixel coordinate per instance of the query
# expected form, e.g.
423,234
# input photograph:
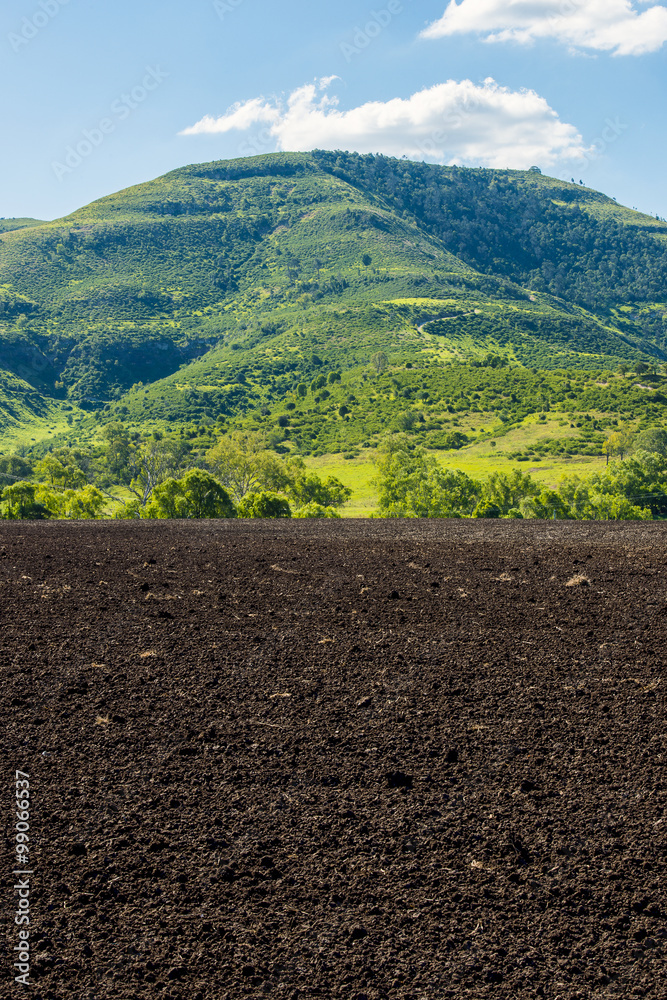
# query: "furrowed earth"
360,759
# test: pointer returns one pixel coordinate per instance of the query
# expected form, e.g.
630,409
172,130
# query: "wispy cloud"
239,117
617,26
453,122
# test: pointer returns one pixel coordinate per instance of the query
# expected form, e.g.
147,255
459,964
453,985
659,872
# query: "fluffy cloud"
616,26
453,122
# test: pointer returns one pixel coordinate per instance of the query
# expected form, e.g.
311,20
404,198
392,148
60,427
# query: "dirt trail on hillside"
355,759
436,319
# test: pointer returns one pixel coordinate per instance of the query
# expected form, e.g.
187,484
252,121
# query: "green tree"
486,509
547,505
197,495
20,503
653,441
52,470
317,510
635,489
152,463
243,464
507,490
130,511
610,507
406,421
309,488
73,505
264,505
379,362
13,468
118,449
412,484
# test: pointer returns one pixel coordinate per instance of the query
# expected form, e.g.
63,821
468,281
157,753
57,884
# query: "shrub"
20,503
129,511
263,505
317,510
486,509
197,495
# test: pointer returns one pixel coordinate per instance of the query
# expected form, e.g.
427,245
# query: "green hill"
8,225
216,290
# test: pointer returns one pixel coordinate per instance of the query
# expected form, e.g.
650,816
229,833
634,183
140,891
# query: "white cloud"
616,26
240,116
454,122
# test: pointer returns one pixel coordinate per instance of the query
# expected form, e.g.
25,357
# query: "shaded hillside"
556,237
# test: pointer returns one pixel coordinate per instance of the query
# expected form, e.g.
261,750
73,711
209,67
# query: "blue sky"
100,96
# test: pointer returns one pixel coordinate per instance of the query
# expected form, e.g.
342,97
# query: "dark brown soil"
321,759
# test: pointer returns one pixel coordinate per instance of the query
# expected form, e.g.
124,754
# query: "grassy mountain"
8,225
216,290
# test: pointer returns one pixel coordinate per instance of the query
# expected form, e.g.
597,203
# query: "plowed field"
323,759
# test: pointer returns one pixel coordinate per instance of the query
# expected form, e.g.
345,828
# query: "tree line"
412,484
152,479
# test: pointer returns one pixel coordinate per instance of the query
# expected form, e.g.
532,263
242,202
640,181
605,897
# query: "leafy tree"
317,510
168,503
609,507
14,467
630,490
486,509
197,495
547,505
412,484
117,451
507,490
153,463
617,443
21,503
642,479
308,488
264,505
243,464
653,441
129,511
406,421
54,471
379,362
73,505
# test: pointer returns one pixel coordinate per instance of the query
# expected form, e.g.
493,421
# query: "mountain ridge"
226,278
